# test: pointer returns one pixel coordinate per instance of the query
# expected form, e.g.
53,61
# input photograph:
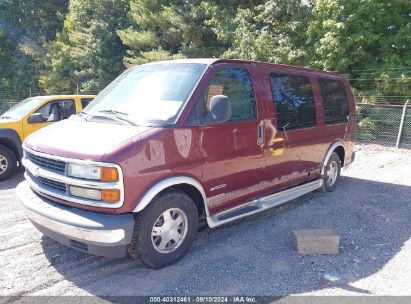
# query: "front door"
234,162
51,112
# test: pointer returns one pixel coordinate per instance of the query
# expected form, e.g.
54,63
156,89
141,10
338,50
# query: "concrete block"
316,241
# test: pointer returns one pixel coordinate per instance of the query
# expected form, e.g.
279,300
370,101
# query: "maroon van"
171,143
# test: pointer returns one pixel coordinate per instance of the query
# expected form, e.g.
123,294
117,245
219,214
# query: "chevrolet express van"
170,143
29,116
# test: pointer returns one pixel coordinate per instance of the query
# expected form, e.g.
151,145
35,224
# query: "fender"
166,183
337,143
12,140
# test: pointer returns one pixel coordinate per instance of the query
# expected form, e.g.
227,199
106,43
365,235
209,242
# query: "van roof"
211,61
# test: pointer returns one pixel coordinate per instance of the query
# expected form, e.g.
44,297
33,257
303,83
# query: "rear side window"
294,101
236,84
86,101
335,101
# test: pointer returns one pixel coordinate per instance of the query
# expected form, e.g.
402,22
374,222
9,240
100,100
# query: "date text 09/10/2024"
204,299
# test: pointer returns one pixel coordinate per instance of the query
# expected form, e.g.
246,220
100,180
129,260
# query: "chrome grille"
47,182
47,163
47,175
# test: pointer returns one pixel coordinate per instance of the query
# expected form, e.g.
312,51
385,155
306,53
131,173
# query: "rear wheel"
165,230
331,173
8,162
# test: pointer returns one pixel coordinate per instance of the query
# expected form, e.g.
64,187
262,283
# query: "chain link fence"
381,124
376,123
8,97
5,106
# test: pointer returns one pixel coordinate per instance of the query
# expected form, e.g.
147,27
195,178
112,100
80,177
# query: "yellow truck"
29,116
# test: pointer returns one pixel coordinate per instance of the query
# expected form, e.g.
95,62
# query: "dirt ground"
370,210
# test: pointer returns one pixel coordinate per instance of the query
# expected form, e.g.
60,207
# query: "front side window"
150,94
24,107
335,101
235,83
57,110
294,101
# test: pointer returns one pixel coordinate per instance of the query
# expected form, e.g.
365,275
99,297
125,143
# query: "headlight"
86,172
105,174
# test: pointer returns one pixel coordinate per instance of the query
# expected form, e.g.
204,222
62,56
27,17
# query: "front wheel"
332,172
8,162
165,230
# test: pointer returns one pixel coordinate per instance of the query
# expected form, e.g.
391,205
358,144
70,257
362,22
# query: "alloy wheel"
3,164
332,173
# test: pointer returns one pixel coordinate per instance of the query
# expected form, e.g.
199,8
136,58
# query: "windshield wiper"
118,115
5,117
110,111
158,123
83,114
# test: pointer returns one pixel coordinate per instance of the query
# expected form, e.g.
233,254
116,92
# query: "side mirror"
220,109
36,118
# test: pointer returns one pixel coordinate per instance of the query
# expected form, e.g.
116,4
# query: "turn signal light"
109,174
110,196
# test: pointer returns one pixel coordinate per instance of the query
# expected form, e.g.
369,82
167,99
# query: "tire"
157,248
8,162
333,167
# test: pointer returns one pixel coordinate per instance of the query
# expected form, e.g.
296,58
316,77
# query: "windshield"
23,108
148,95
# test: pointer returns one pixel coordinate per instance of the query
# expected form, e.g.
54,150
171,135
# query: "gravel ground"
370,210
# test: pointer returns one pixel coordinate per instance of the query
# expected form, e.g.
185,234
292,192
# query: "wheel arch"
10,139
186,184
339,148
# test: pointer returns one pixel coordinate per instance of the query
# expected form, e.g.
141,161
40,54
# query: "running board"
262,204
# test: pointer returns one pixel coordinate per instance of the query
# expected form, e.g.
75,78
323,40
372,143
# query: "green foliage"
58,75
61,44
25,27
274,32
153,55
88,53
354,35
183,28
6,51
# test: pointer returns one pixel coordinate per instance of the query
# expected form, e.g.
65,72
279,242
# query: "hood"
75,138
5,120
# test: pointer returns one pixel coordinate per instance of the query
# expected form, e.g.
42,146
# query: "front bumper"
98,234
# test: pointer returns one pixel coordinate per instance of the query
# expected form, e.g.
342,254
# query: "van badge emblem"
36,170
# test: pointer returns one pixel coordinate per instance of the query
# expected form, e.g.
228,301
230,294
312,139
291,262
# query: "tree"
273,31
25,28
364,39
367,40
62,44
6,50
58,75
88,52
166,29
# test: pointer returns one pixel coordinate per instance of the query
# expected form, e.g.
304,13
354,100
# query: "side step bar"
262,204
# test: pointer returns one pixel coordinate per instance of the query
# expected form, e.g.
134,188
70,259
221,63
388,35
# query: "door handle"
260,138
